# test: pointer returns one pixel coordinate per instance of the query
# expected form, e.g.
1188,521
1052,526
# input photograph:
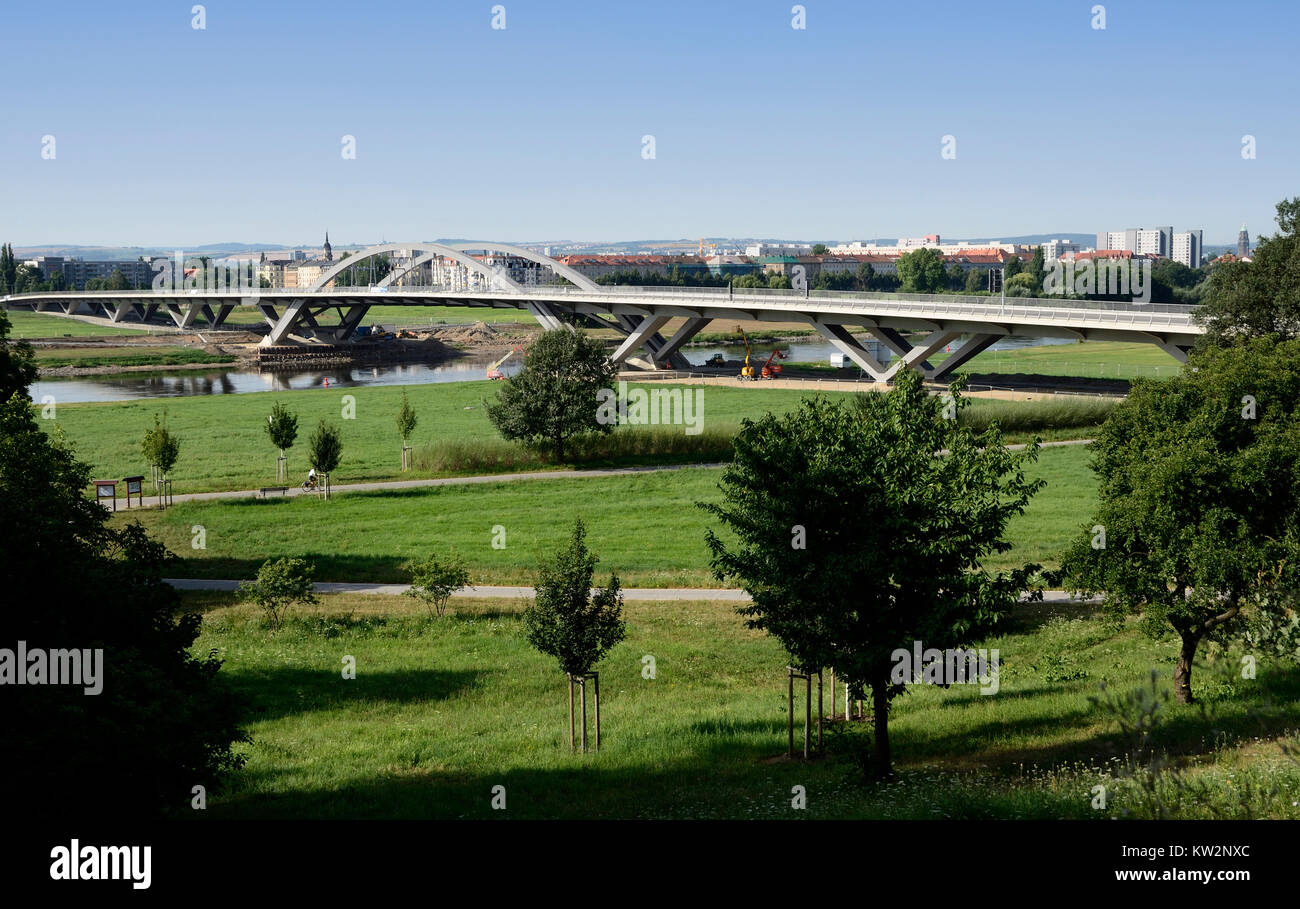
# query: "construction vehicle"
716,360
494,371
772,370
746,371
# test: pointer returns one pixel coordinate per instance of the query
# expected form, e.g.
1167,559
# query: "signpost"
106,489
134,487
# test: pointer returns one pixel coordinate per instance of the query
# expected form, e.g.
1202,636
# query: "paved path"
295,490
659,594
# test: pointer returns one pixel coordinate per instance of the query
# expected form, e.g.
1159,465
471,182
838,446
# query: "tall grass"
657,444
1029,416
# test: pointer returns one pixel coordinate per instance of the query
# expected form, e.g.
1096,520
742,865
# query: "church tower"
1243,243
329,251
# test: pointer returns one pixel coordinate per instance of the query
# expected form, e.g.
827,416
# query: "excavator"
494,371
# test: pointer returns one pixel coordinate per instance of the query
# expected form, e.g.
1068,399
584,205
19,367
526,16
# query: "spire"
329,251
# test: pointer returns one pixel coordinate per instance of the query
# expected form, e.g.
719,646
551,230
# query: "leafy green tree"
819,249
18,367
567,620
1260,298
280,584
553,398
1022,285
977,281
405,419
117,281
282,427
434,580
164,719
326,447
1198,525
161,448
922,271
860,528
1013,267
1037,271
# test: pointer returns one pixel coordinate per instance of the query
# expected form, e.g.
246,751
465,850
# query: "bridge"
911,327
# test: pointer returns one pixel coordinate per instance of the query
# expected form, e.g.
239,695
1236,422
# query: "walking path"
647,594
296,490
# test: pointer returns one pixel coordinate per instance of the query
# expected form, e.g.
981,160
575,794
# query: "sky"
169,135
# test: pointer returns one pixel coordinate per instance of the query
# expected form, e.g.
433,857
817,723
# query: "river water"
231,381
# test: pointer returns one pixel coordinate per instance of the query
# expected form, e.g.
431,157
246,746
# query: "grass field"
442,711
86,357
645,526
41,325
224,444
1090,359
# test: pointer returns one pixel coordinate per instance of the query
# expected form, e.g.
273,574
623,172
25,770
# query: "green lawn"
224,443
441,711
41,325
86,357
1094,359
646,526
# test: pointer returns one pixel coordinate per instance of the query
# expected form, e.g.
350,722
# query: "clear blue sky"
171,136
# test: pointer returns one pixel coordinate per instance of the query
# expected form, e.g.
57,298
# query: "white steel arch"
577,278
432,249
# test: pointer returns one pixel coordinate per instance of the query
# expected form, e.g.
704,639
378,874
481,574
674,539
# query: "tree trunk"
882,759
1183,668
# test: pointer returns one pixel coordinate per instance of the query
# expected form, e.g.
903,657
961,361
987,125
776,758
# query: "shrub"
279,585
434,580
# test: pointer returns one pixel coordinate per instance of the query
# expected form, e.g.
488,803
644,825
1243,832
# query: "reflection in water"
128,386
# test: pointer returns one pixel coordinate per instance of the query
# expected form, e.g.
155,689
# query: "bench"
265,490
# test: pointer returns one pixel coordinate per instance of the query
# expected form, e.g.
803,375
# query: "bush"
434,580
279,585
326,447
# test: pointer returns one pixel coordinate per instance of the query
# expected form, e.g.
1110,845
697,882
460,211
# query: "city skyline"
538,129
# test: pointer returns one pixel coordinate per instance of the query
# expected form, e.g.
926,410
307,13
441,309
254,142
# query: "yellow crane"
747,371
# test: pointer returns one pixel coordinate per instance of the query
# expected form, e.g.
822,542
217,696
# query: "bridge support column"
1178,353
669,352
121,310
638,337
546,314
349,321
223,310
919,356
183,319
281,326
976,345
845,343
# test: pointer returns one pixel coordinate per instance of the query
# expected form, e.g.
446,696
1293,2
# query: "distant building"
1187,248
1243,244
1156,241
1059,249
778,249
76,272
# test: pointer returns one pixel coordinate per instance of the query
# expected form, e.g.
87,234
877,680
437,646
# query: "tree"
164,719
279,585
1037,271
567,620
117,281
405,424
282,427
1022,285
819,249
860,529
1013,267
434,580
1198,527
18,367
1260,298
160,448
325,449
553,398
977,281
922,271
